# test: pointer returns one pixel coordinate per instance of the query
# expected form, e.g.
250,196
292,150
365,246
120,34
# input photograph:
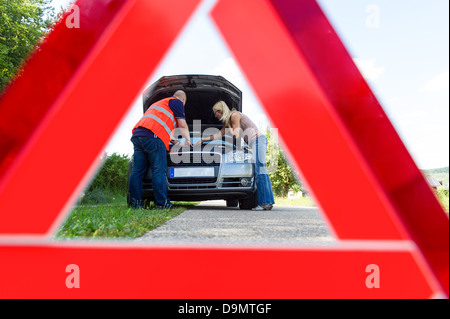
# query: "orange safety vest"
160,119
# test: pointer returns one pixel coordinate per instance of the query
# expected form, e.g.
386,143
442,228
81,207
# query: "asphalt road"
211,222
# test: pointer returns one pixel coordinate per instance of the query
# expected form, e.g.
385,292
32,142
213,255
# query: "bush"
96,196
442,196
284,178
110,181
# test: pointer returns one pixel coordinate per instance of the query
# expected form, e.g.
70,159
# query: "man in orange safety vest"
151,137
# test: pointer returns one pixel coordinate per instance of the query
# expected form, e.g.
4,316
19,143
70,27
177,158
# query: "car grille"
184,181
231,182
182,187
192,183
193,159
235,182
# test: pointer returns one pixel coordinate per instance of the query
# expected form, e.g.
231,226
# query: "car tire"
232,203
249,202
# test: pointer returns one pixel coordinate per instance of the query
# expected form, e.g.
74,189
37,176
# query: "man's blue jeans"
149,153
263,184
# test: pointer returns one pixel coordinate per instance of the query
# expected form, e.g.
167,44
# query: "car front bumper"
230,181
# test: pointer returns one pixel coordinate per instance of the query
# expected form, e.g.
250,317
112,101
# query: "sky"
400,46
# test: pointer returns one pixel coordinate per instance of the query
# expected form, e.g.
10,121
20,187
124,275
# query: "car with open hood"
220,169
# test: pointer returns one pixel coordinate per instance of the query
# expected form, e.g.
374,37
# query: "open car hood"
202,91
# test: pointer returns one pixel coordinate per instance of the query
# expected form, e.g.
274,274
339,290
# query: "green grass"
302,201
115,221
442,196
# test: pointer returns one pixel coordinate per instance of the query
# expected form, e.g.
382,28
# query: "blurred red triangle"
60,113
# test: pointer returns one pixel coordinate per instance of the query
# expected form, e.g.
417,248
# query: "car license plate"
191,172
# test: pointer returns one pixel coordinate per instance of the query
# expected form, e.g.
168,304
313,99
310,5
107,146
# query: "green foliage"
96,196
443,197
284,178
437,170
111,179
22,24
115,221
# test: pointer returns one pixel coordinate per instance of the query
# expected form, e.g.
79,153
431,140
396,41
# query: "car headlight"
237,157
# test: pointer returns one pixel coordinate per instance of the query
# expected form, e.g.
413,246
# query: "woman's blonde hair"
226,113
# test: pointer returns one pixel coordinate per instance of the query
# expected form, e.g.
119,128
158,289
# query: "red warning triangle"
307,81
81,83
76,106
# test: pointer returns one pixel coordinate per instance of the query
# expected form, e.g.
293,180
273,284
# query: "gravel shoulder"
211,222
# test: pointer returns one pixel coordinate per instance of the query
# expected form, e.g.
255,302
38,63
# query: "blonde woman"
238,123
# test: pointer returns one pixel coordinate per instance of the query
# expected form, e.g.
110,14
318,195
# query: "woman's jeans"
263,184
149,152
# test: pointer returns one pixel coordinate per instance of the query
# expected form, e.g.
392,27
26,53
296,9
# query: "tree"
22,24
284,178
